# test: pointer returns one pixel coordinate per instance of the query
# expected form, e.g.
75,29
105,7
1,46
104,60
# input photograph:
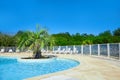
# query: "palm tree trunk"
37,54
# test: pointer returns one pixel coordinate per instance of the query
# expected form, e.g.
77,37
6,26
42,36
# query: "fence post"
90,49
119,51
53,49
47,49
108,50
98,49
74,46
60,49
66,49
82,49
74,49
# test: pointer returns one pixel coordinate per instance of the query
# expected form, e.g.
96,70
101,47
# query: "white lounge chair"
43,51
56,51
2,50
62,51
68,51
75,51
17,50
10,50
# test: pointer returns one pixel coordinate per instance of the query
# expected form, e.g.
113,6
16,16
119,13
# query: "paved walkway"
90,68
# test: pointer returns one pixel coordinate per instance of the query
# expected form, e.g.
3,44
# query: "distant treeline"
66,38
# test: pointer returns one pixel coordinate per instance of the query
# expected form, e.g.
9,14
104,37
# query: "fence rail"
110,50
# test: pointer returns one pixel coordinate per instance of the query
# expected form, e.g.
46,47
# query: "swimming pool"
12,69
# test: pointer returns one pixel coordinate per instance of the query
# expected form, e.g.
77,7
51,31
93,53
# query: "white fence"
110,50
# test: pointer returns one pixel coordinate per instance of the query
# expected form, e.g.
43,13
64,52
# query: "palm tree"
36,41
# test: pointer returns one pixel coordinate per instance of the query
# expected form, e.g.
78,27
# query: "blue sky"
82,16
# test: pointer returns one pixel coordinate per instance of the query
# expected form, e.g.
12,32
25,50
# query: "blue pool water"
12,69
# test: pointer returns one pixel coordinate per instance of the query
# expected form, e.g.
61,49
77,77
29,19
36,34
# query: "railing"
110,50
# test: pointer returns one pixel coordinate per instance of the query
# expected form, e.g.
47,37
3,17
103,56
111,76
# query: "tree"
36,41
17,37
116,32
62,39
87,42
106,36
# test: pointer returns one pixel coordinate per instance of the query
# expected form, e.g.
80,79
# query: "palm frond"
33,40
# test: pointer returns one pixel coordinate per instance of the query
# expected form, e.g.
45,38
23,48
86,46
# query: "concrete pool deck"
90,68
